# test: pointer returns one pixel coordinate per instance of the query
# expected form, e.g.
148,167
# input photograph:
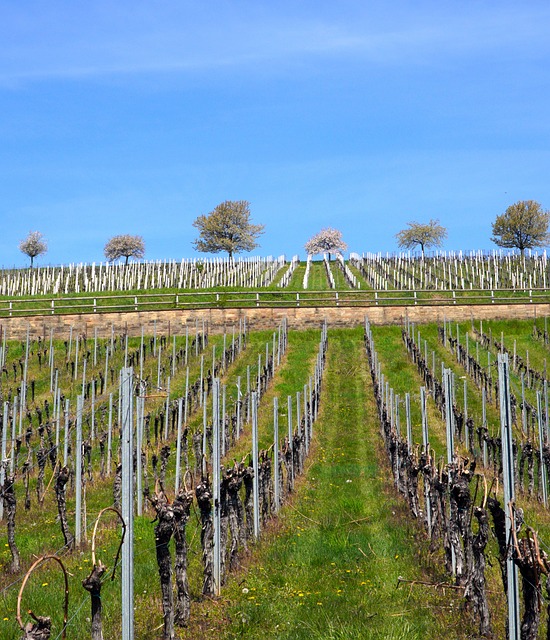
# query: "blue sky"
136,117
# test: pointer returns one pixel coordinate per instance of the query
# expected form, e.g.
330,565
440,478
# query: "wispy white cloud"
72,40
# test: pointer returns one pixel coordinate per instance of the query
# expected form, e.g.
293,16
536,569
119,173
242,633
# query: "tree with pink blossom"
326,241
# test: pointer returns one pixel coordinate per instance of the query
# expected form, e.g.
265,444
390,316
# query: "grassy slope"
332,570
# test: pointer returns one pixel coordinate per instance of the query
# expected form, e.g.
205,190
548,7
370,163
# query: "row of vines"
469,452
442,272
212,458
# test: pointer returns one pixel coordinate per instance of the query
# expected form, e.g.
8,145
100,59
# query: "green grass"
331,572
342,541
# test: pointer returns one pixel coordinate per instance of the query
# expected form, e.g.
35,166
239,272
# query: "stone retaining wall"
175,321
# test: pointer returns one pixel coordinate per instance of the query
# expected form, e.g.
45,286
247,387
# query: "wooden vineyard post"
178,443
239,406
465,416
3,460
127,446
298,414
484,425
409,423
140,416
202,381
290,470
509,492
248,395
66,434
159,366
223,416
523,406
78,473
110,436
13,436
448,391
276,470
426,446
542,466
167,409
255,466
306,424
216,460
546,434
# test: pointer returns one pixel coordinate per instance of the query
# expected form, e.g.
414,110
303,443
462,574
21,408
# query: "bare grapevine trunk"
92,584
10,503
182,509
38,630
60,494
248,478
204,499
163,532
42,459
235,514
476,588
117,487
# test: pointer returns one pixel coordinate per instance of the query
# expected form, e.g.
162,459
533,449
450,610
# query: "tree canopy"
227,228
124,246
33,245
425,235
524,225
326,241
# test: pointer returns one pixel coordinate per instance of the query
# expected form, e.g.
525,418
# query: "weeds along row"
211,465
482,499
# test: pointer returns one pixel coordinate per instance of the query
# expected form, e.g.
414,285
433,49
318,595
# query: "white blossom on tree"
326,241
33,245
124,246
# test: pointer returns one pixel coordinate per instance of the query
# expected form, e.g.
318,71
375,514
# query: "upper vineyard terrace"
168,296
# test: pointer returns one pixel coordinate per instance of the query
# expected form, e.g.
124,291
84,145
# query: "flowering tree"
524,225
227,228
427,235
326,241
33,245
126,246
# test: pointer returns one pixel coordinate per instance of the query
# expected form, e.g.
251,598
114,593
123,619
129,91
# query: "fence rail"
268,299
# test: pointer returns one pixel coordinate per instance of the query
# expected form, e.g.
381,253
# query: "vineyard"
377,481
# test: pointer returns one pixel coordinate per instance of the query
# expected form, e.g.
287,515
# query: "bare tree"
126,246
227,228
326,241
33,245
524,225
427,235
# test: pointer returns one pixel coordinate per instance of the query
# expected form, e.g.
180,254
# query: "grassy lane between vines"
329,567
